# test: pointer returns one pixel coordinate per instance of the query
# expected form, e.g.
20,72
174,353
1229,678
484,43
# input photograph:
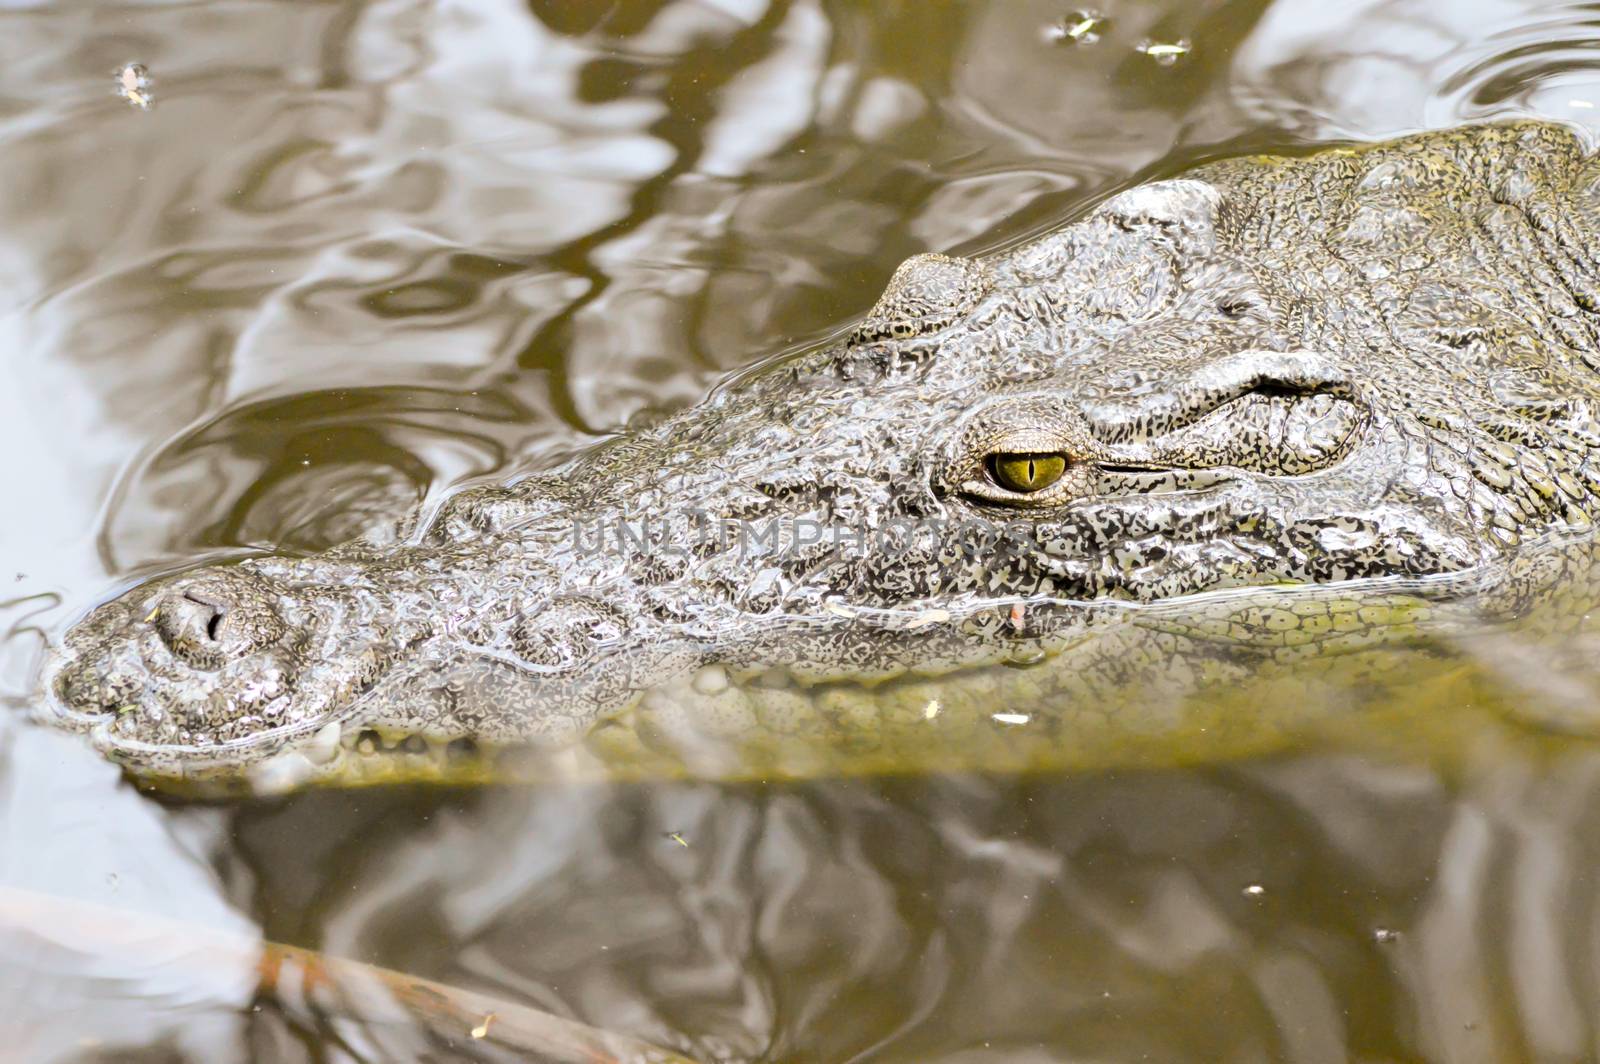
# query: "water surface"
359,254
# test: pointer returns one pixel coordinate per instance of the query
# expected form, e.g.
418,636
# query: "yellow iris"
1026,473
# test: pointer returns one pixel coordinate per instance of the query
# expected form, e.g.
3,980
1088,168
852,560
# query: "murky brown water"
359,254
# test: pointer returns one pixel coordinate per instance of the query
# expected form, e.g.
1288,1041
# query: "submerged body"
1234,432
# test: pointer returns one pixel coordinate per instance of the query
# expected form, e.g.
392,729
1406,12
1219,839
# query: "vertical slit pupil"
1023,472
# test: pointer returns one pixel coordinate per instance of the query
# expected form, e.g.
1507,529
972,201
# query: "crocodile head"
1330,379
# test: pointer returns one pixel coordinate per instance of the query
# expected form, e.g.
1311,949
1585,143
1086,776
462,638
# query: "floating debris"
1581,104
1384,934
1010,718
1018,613
152,615
931,710
1080,27
133,85
1254,890
927,617
1165,54
482,1030
677,837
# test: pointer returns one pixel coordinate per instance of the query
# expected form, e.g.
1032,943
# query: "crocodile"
1212,434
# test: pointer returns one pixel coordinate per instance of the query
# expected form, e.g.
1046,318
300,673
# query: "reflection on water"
358,254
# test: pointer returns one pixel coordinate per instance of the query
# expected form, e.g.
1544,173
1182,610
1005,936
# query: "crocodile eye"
1026,473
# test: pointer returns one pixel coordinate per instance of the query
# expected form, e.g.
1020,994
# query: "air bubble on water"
1164,54
1384,934
1254,890
1080,27
133,85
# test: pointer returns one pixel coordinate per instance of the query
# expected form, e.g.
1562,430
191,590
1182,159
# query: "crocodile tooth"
323,746
711,680
280,773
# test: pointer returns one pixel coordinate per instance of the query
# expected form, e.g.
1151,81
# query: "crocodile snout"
177,657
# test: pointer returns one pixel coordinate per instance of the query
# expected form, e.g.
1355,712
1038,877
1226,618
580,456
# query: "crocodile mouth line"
705,723
1014,707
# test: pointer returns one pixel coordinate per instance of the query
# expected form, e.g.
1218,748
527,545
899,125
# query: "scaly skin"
1297,411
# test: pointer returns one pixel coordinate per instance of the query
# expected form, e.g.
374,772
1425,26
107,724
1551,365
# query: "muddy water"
356,255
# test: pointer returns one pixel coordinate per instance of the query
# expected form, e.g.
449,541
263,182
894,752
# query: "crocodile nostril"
216,618
209,615
191,625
